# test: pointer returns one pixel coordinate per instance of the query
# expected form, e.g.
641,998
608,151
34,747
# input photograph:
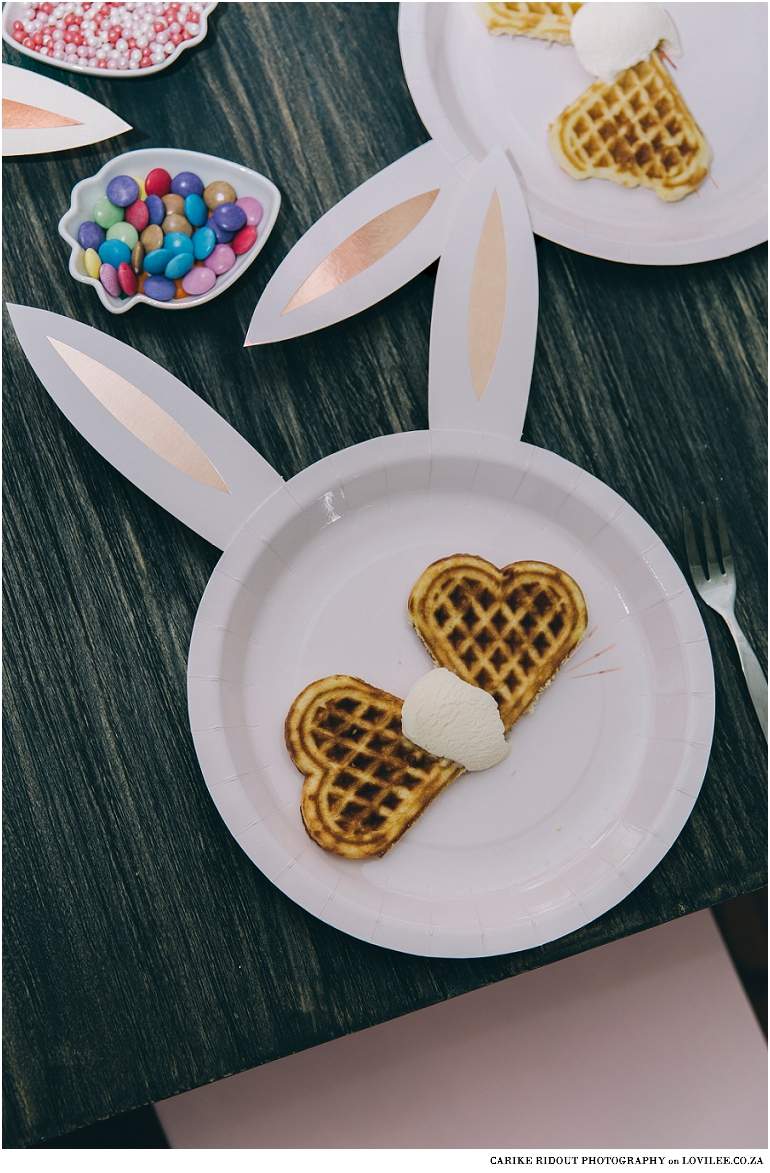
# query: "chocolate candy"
203,242
199,280
178,242
243,240
126,280
222,236
218,192
252,208
138,215
108,275
187,183
90,235
122,191
114,252
195,210
174,223
125,232
93,262
167,238
179,264
156,209
158,182
221,259
105,213
159,288
152,237
173,203
229,217
156,261
137,257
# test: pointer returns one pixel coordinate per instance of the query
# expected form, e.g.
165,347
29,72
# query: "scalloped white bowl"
12,12
85,194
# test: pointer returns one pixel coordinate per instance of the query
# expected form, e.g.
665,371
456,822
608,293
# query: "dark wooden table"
145,954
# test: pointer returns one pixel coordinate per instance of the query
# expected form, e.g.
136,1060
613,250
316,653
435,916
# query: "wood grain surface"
145,954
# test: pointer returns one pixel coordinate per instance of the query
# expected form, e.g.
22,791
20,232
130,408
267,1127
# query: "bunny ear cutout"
484,324
147,424
365,247
40,115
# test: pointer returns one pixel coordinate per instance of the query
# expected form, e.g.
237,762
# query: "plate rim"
341,911
413,42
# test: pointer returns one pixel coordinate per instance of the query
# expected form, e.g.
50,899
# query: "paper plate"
473,90
602,773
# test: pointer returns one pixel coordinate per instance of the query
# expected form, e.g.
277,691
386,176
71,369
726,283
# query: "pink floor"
648,1042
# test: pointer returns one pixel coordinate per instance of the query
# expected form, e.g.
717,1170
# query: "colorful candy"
114,36
166,236
199,280
122,191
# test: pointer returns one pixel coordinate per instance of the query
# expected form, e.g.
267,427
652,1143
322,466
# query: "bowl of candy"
124,39
167,227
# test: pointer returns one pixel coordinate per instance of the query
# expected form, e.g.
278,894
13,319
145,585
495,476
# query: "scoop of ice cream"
451,719
610,38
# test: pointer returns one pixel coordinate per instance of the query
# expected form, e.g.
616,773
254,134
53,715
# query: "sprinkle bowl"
12,12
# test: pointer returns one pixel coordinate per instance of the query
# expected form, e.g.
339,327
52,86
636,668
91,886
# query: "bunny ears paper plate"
474,91
314,580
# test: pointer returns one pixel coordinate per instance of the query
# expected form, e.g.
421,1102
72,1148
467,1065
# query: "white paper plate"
473,90
12,12
603,772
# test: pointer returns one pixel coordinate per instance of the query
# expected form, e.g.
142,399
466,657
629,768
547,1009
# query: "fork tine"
712,561
693,557
724,540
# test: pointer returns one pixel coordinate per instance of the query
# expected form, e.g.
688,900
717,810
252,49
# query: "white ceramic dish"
245,181
13,12
473,91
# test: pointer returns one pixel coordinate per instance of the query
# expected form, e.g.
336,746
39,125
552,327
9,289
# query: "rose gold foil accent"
366,245
142,417
19,116
486,312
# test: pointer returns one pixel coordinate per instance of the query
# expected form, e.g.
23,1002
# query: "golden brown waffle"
365,783
507,631
636,131
545,22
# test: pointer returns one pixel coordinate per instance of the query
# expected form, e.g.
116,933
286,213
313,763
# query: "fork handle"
752,671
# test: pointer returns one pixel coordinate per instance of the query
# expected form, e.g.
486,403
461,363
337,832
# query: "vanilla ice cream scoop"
451,719
610,38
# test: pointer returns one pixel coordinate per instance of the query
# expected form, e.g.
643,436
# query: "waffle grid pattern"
544,22
506,631
366,783
635,131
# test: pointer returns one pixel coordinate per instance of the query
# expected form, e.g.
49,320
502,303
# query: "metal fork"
717,589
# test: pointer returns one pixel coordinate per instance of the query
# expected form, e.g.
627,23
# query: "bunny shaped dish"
314,580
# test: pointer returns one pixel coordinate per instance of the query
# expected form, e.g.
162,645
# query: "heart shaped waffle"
507,631
365,783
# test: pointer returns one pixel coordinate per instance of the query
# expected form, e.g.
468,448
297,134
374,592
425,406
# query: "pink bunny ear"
484,325
150,426
366,246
